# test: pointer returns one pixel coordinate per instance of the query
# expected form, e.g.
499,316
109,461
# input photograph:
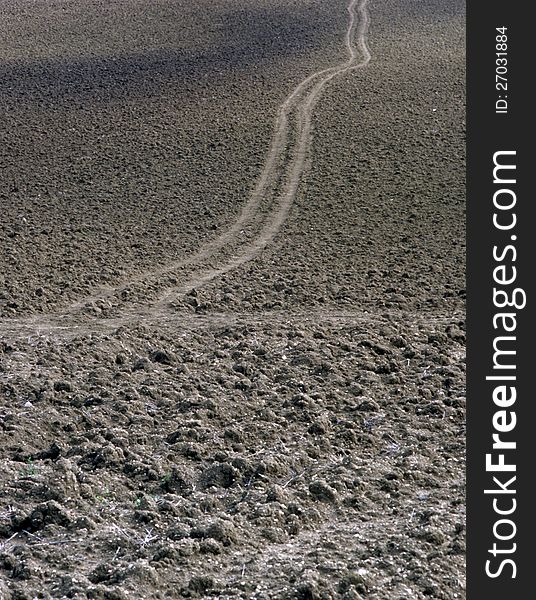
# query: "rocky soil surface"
287,426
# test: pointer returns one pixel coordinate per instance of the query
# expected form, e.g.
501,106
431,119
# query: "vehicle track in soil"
216,258
301,102
66,329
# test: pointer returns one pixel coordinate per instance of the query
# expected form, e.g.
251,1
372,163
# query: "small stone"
319,427
368,406
162,357
277,494
209,546
222,531
140,364
62,386
322,491
201,584
222,475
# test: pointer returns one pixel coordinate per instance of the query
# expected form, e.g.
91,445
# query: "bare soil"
232,335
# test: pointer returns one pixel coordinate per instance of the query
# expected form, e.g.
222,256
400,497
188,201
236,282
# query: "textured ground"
287,426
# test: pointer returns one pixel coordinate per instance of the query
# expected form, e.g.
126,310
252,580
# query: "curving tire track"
276,188
298,105
302,102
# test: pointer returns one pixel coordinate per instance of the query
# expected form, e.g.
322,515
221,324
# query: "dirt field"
232,298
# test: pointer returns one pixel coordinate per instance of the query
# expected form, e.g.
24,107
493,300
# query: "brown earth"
200,399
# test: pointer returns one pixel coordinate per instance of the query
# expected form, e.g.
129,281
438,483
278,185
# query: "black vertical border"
489,132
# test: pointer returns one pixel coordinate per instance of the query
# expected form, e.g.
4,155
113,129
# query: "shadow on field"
246,39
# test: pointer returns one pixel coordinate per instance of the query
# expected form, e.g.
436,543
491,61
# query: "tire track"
294,117
356,44
35,329
301,101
